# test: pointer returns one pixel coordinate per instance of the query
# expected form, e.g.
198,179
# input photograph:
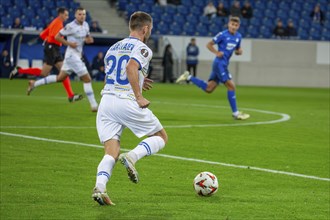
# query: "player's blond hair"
138,20
235,19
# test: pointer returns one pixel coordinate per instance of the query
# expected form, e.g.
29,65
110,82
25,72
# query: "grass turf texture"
50,180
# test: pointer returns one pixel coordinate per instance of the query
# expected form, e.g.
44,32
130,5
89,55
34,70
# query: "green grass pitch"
50,152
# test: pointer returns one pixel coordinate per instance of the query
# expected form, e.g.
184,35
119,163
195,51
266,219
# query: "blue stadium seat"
5,3
314,34
214,29
255,21
284,5
199,3
175,29
170,9
121,5
20,3
218,22
157,9
168,18
181,9
186,3
260,5
304,24
325,34
162,28
294,15
145,8
37,22
204,20
136,2
7,21
25,21
271,6
269,13
149,2
14,11
73,5
296,6
2,11
191,18
302,34
201,30
34,3
268,22
282,14
257,13
180,19
156,17
265,32
28,12
189,29
43,13
62,3
50,4
196,10
130,9
252,32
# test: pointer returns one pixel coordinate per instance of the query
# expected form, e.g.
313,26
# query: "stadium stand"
189,15
35,13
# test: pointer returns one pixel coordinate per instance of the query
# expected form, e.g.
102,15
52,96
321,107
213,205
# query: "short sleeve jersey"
227,43
115,62
51,31
75,32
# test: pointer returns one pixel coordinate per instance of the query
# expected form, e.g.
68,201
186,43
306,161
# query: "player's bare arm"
132,69
59,38
210,46
239,51
147,84
89,39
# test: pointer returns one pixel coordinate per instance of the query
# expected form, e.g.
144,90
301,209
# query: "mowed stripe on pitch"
173,157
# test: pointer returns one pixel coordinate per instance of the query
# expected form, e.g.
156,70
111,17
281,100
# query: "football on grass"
206,184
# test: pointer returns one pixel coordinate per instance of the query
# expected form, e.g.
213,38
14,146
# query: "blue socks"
232,100
198,82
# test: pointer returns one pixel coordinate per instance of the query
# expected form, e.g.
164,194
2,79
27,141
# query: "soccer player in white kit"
123,105
77,33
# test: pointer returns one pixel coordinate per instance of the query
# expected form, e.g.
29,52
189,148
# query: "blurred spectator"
290,30
192,51
17,24
174,2
162,2
168,64
5,64
221,10
95,27
279,30
209,10
98,67
235,9
317,14
247,11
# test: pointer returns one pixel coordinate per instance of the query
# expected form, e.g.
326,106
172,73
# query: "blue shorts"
220,73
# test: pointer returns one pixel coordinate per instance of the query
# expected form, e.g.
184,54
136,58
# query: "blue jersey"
227,43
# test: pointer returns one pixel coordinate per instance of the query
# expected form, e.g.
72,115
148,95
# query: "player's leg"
89,91
46,80
231,95
67,85
109,132
142,122
104,172
44,71
207,87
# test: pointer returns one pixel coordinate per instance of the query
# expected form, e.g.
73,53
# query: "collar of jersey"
133,38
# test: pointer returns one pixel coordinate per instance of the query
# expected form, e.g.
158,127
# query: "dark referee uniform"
52,54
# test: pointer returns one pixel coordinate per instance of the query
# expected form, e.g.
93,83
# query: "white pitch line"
284,117
174,157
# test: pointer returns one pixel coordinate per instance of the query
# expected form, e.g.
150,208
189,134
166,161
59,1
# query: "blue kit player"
228,41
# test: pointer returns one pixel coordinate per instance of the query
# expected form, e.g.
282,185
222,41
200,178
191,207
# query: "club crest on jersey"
144,52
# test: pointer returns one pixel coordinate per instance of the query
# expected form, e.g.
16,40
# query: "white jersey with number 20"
115,62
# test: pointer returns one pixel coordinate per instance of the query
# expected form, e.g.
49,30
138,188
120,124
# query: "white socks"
104,171
47,80
148,146
90,94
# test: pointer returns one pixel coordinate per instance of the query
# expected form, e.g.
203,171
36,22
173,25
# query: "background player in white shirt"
123,105
77,34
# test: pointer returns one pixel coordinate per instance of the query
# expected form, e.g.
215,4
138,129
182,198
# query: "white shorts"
114,114
74,64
